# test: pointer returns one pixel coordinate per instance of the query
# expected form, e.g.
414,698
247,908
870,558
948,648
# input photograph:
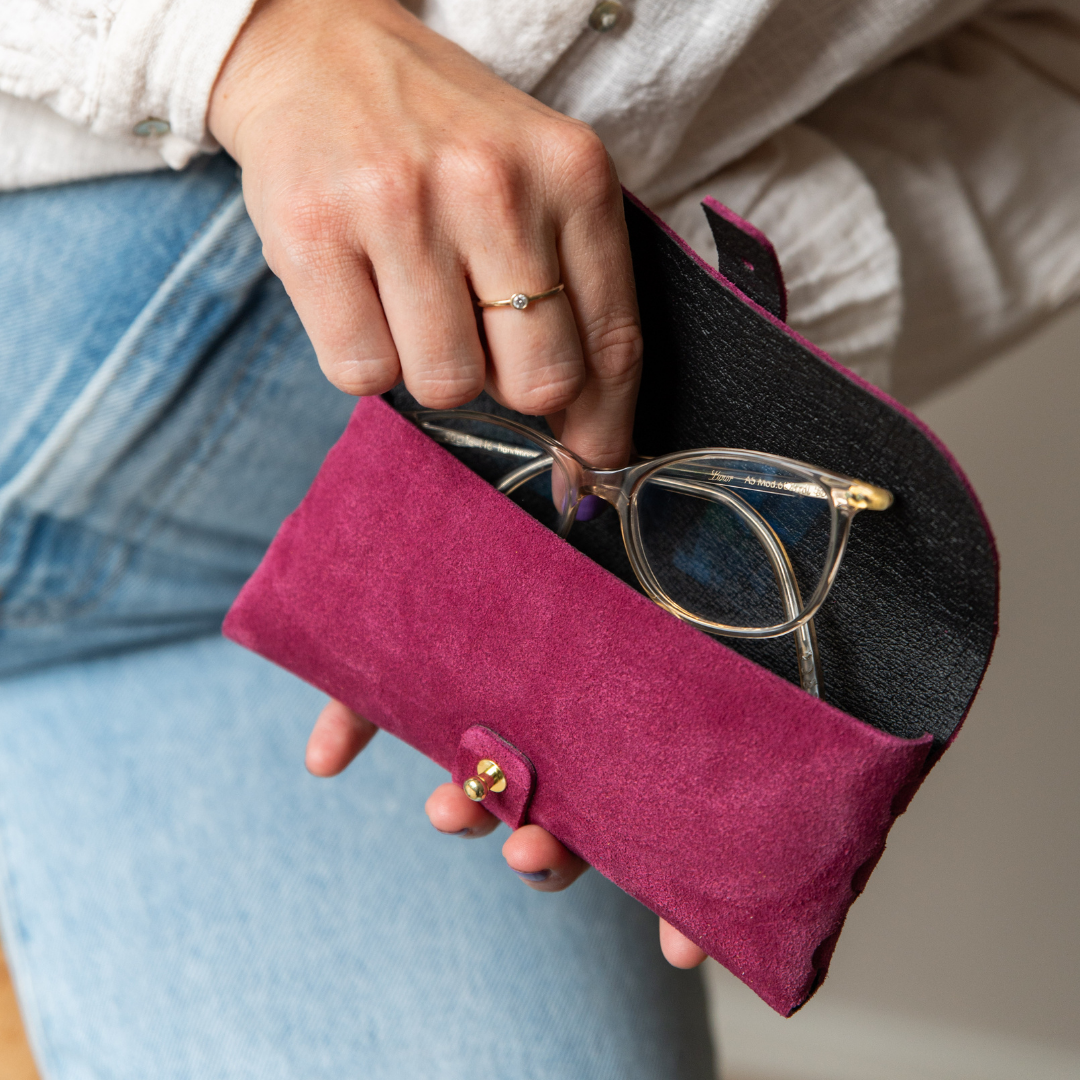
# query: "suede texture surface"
691,772
715,792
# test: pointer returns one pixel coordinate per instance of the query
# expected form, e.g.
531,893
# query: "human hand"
531,852
387,171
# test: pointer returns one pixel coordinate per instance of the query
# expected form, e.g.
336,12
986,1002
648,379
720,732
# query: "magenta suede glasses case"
691,771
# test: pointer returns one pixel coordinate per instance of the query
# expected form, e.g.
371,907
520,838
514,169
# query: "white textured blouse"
916,162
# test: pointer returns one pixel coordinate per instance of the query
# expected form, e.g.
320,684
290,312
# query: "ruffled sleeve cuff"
138,71
158,65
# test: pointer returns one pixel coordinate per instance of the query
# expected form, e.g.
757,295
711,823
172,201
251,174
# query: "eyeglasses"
720,538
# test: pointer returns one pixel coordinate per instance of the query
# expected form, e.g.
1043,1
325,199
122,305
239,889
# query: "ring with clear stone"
520,301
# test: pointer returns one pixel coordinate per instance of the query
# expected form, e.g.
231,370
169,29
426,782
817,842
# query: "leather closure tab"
747,260
481,744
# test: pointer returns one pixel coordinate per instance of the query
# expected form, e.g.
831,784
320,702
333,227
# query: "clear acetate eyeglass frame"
721,476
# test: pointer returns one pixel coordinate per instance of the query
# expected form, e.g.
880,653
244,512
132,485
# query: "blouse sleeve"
122,68
972,145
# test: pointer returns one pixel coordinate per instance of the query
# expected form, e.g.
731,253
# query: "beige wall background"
962,958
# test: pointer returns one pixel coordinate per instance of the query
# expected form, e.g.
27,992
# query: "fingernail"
590,506
533,875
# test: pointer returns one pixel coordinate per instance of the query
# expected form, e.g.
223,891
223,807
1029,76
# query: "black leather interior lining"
907,631
908,628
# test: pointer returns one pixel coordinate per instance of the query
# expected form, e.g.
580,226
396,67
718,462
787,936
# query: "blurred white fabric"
839,259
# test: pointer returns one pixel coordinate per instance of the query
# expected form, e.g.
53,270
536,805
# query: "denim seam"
145,523
49,455
191,242
123,354
141,524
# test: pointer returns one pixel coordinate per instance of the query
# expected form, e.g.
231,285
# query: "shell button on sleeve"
151,126
606,15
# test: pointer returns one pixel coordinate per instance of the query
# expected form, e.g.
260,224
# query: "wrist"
268,53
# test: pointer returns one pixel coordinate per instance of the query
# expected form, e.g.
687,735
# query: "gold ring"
519,301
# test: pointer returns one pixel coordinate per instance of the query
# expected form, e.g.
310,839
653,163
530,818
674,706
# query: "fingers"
574,357
541,861
598,272
429,309
531,852
338,736
380,274
450,810
330,284
679,951
537,365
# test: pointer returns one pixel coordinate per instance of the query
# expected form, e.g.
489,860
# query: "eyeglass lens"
714,530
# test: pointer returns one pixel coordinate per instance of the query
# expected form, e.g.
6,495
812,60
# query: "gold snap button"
152,126
489,777
606,15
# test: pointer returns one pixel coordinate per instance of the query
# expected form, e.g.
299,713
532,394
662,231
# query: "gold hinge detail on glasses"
868,497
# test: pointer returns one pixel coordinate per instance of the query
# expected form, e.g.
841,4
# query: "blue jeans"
178,897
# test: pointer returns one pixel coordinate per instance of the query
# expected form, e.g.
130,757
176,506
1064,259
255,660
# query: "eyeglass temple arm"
513,480
788,584
452,437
